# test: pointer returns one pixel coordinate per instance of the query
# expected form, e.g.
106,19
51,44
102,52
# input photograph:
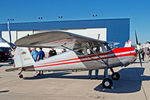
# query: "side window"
107,47
97,49
100,50
103,48
79,52
88,51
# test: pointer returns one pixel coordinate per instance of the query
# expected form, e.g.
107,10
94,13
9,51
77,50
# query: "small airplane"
83,53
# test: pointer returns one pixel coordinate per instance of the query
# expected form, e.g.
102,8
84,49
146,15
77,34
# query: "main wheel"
107,83
20,76
115,76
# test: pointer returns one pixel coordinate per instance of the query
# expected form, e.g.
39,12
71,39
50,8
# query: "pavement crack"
144,93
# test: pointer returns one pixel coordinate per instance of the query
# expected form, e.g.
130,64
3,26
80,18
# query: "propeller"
138,48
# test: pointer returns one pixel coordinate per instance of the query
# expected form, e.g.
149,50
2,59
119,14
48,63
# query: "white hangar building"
110,30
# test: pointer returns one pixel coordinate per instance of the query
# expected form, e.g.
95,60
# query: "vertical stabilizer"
128,44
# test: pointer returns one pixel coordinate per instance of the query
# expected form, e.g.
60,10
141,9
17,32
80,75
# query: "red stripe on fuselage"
125,49
130,54
116,50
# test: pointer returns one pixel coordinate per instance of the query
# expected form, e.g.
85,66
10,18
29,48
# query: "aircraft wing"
56,39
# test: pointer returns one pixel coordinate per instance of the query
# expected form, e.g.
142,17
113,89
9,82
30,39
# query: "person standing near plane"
12,55
90,74
97,50
52,52
34,54
143,53
147,52
41,56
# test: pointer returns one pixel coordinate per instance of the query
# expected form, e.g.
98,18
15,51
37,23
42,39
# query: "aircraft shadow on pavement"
130,81
142,62
64,75
51,75
4,91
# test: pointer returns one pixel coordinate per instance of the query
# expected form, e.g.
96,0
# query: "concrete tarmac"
134,84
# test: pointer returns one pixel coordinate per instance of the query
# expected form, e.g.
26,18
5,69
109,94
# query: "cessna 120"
84,53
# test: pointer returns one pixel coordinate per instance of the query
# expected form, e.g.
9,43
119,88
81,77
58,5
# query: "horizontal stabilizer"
11,69
18,68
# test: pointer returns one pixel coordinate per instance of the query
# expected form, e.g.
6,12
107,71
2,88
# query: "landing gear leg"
115,75
107,82
20,75
40,73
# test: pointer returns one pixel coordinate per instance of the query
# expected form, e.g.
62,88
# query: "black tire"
107,83
115,76
21,76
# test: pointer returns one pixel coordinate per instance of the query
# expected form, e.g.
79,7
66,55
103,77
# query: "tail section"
128,44
23,58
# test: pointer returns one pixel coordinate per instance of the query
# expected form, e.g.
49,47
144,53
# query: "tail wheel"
115,76
20,76
107,83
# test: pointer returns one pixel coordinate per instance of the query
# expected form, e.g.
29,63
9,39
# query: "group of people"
39,55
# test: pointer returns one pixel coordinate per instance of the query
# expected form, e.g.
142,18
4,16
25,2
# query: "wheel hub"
107,83
115,76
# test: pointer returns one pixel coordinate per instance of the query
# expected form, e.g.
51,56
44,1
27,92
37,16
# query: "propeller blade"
138,48
136,38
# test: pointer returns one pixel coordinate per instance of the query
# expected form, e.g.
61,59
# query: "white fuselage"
70,61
